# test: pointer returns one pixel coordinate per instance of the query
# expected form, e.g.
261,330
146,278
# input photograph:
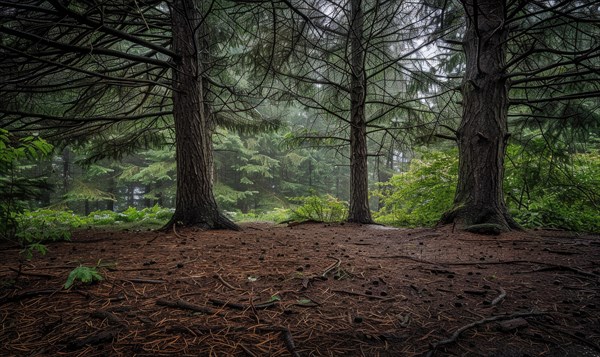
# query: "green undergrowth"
320,208
44,225
541,191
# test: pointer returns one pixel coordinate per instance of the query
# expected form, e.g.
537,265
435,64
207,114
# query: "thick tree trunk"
483,133
359,174
195,203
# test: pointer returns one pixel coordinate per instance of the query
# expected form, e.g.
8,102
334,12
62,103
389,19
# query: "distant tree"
75,69
538,61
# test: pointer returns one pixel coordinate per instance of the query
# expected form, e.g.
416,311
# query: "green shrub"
45,225
421,195
277,215
319,208
542,189
16,186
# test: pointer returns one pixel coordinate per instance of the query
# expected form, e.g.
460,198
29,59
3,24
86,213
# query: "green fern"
86,275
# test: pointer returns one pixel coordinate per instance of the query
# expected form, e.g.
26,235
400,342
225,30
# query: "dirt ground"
307,290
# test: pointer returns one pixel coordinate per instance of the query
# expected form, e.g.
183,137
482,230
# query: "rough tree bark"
483,133
195,203
359,175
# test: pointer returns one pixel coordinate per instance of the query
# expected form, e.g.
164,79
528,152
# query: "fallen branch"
365,295
456,334
406,257
180,304
233,305
40,275
105,315
34,293
220,278
289,342
144,281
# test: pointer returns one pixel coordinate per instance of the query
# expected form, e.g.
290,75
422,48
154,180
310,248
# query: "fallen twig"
110,317
220,278
499,297
41,275
332,266
365,295
144,281
289,342
187,306
406,257
233,305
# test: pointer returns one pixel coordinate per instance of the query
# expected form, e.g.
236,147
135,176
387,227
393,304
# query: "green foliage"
53,225
15,186
82,191
86,275
552,188
543,189
319,208
28,251
277,215
150,216
421,195
46,225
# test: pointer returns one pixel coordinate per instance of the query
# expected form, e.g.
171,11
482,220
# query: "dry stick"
232,305
105,315
144,281
20,272
499,297
187,306
365,295
289,342
218,276
406,257
51,292
332,266
456,334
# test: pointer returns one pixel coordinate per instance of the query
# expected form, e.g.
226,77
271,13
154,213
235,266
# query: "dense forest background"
325,110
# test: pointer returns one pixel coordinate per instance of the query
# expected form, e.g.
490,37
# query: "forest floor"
307,290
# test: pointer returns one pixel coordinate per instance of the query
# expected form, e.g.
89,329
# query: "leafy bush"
421,195
277,215
15,186
319,208
47,225
553,190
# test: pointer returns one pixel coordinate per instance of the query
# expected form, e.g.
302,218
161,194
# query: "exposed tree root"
458,332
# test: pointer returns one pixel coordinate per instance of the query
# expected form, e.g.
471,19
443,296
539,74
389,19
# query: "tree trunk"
359,175
483,133
195,203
